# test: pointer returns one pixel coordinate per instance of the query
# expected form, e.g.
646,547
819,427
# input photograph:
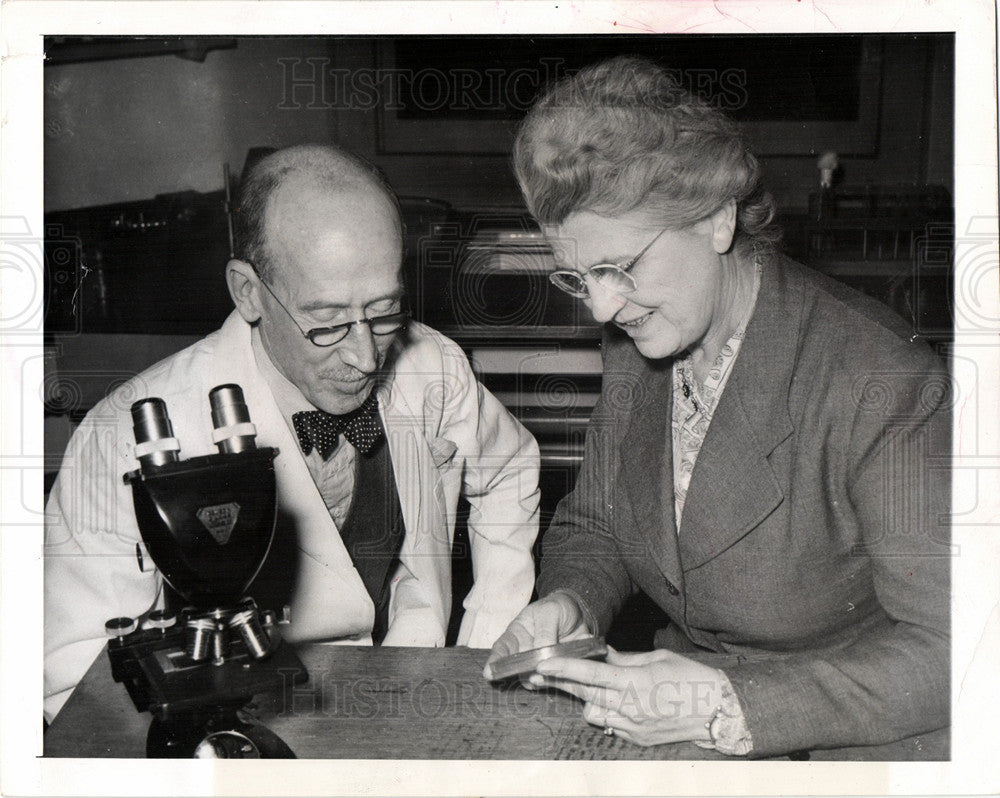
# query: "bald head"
296,177
321,229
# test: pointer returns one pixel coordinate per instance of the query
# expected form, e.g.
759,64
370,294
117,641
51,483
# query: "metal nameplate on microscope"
219,520
524,662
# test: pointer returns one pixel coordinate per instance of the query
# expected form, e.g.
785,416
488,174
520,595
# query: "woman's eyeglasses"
328,336
612,276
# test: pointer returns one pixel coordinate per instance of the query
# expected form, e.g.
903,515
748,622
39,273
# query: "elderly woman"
761,460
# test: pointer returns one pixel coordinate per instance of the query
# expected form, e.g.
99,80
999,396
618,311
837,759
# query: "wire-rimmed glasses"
328,336
612,276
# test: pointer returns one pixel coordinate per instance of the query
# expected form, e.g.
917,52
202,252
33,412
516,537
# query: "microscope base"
213,733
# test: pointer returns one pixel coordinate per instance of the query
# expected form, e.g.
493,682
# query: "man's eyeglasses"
328,336
612,276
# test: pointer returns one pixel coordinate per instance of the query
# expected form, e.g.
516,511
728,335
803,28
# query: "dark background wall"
131,128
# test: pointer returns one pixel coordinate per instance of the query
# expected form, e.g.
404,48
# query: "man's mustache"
351,374
344,375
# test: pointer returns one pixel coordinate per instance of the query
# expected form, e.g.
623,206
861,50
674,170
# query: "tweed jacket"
812,561
447,437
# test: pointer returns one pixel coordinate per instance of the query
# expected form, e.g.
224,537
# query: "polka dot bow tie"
319,430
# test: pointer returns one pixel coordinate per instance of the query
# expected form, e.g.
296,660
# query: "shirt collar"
289,398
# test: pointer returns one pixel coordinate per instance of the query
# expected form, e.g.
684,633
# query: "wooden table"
402,703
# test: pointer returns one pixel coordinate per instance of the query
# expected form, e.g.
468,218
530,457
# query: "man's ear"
243,281
724,226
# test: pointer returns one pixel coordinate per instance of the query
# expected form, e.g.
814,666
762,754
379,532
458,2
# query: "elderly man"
367,496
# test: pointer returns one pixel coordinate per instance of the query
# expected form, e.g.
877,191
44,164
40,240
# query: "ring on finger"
609,732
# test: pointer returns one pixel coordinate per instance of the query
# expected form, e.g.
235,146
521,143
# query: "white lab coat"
447,436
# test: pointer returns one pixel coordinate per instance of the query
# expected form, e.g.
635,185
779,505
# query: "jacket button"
673,591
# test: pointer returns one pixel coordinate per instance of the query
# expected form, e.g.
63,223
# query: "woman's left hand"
649,698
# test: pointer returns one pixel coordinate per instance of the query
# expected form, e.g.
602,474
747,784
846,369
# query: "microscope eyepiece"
233,430
154,434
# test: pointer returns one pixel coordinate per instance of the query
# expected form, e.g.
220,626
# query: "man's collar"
287,397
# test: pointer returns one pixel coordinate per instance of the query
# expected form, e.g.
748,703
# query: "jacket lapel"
646,458
733,486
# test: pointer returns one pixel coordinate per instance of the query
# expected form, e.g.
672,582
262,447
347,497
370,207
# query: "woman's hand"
553,619
649,698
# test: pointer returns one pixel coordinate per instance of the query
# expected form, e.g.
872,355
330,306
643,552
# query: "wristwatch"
728,725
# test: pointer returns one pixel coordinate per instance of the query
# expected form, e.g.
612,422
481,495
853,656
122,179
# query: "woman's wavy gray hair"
624,134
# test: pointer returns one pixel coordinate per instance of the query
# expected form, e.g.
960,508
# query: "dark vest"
373,531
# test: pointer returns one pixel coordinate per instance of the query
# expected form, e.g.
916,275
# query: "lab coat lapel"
403,429
646,458
418,480
426,548
298,495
